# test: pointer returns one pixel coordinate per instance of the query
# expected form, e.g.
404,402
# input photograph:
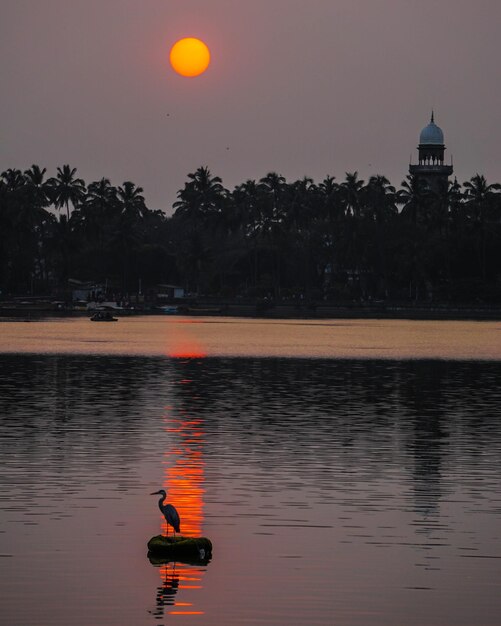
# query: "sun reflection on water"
183,482
182,343
184,473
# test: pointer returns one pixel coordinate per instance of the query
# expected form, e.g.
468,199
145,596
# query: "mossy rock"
196,549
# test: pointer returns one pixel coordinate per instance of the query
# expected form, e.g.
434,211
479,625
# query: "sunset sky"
302,87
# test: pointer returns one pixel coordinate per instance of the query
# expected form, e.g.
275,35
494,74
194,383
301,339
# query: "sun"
190,57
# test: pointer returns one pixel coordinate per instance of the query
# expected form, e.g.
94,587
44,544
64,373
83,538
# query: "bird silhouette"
169,512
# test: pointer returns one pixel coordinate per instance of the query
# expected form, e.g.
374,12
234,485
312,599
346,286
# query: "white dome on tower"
431,134
431,168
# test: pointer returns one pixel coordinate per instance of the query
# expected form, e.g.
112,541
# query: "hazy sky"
302,87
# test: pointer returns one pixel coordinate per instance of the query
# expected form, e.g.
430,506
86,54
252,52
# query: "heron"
168,511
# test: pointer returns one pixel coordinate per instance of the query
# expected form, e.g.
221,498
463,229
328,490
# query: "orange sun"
190,57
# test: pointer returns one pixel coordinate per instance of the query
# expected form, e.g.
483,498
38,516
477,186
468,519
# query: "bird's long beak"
155,493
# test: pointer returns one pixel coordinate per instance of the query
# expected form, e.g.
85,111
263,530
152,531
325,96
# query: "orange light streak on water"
188,350
184,474
184,485
181,342
184,479
172,576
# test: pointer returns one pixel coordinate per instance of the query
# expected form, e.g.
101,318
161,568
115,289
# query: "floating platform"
186,549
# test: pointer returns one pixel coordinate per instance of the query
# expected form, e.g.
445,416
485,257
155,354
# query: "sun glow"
190,57
181,342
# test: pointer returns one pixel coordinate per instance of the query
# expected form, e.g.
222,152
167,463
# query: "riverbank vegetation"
340,240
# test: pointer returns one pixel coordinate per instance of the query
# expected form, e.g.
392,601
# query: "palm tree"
66,189
12,186
35,214
480,198
35,176
446,205
351,193
196,212
332,209
381,197
302,200
248,204
13,179
23,219
36,193
381,209
304,237
131,201
94,222
415,198
454,200
101,195
99,207
274,188
132,211
247,200
202,195
11,195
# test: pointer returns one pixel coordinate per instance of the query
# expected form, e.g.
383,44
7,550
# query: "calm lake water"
359,489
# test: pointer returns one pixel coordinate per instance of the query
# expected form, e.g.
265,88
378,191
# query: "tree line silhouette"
336,240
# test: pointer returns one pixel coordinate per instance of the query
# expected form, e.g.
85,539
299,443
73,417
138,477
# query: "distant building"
169,292
81,290
431,166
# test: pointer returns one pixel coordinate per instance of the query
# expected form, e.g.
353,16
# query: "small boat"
103,316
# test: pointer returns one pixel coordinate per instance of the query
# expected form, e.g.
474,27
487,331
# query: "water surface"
350,491
226,336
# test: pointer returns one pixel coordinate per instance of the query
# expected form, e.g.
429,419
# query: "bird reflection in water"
167,591
175,577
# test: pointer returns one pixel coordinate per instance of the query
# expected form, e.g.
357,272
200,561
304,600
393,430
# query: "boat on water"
103,316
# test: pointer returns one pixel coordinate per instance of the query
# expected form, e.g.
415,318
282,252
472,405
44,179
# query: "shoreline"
280,311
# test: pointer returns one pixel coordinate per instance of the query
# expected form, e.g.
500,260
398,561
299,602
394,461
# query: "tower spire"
431,168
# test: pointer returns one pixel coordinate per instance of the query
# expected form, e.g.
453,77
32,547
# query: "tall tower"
431,166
